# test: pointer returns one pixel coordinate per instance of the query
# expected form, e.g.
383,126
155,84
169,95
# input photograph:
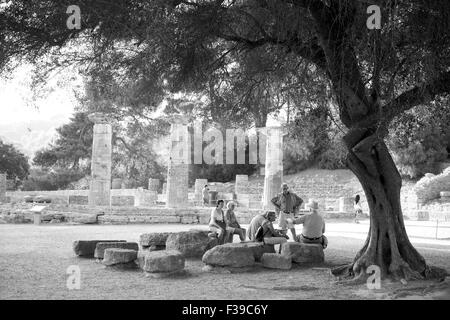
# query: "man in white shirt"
313,226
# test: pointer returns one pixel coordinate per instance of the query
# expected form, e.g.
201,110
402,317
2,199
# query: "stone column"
2,187
153,184
273,173
178,168
100,186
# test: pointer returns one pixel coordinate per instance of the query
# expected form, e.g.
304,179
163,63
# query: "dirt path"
34,260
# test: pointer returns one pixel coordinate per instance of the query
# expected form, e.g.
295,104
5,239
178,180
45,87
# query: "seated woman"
217,222
233,225
313,226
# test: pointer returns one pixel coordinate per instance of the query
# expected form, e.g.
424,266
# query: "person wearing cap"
287,205
233,226
313,226
261,229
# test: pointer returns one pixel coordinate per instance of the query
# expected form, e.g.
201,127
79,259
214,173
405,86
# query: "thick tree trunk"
387,245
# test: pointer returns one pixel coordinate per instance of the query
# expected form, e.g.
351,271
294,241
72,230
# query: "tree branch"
420,94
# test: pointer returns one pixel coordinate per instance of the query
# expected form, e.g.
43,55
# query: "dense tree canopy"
13,162
148,48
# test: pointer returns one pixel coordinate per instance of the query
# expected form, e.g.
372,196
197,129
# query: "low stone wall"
119,197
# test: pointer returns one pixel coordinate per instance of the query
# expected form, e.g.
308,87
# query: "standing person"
233,226
357,207
217,222
313,226
205,195
287,204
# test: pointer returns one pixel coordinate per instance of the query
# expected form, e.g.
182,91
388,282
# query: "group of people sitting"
287,205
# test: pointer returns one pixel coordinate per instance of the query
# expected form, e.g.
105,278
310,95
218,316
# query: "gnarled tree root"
345,274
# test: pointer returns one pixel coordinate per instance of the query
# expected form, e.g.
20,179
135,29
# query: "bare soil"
34,260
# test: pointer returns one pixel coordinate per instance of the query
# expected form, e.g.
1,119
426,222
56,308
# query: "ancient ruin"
100,185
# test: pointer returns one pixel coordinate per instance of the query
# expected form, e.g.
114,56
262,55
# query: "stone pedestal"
178,168
116,183
241,185
199,184
2,187
346,204
100,186
273,177
153,184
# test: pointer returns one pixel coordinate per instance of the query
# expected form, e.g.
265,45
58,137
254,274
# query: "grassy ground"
34,260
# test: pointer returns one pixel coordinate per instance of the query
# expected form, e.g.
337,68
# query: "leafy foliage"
420,138
47,180
13,162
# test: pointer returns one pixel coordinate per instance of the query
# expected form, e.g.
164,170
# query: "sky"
29,123
30,127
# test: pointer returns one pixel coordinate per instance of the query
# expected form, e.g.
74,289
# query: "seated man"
233,225
313,226
269,234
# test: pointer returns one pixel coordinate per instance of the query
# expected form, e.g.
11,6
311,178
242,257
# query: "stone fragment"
86,248
114,256
192,244
102,246
163,261
276,261
258,248
154,239
229,255
303,252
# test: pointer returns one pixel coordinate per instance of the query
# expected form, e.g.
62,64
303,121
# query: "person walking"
357,207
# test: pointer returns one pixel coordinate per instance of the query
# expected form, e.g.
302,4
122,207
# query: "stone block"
203,218
80,200
423,215
86,248
189,219
123,201
163,261
2,187
276,261
154,239
192,244
153,184
154,248
303,252
102,246
83,218
445,195
113,219
115,256
258,248
229,255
